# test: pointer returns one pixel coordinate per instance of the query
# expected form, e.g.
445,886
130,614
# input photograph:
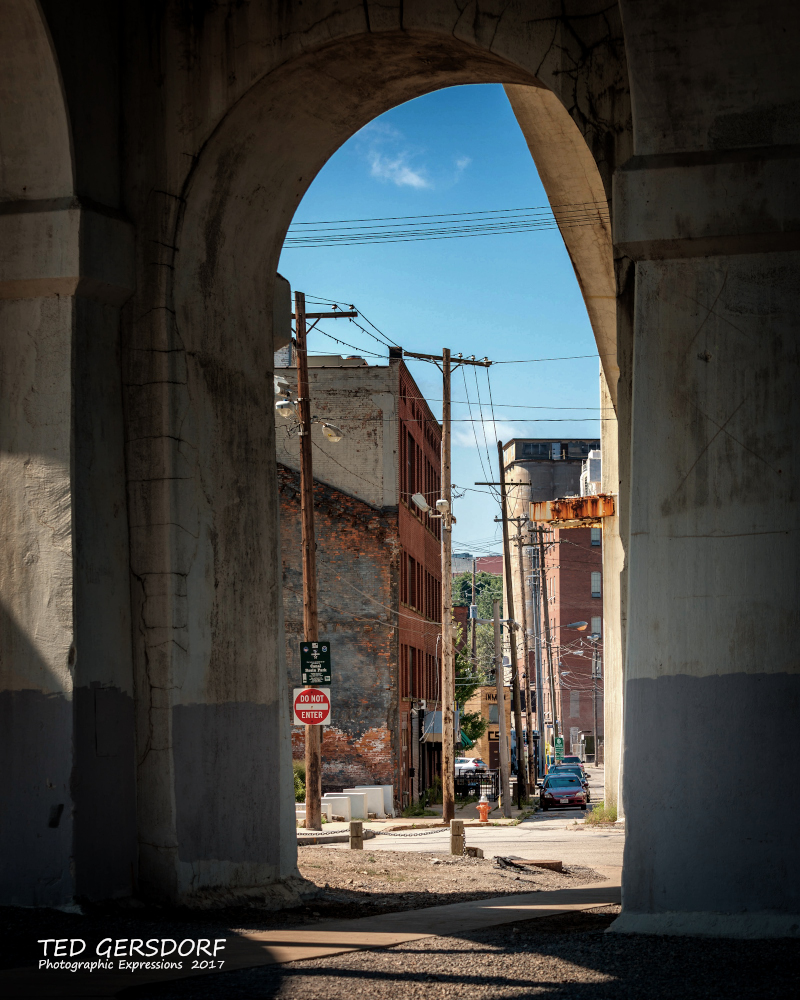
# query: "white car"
470,765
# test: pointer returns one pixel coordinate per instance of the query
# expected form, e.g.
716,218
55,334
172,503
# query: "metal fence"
477,783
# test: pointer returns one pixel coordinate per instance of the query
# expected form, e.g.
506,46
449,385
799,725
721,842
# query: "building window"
596,578
597,536
574,704
597,623
494,715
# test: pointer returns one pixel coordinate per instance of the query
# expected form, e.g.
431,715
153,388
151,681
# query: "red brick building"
420,588
379,572
573,566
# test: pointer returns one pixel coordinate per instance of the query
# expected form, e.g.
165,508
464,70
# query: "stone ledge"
65,248
700,205
722,925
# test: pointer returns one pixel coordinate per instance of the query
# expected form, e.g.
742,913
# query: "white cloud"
462,163
396,169
463,436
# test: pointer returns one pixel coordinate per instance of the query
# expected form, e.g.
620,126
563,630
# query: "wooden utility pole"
548,646
445,508
308,542
475,619
308,545
522,791
526,654
505,792
448,671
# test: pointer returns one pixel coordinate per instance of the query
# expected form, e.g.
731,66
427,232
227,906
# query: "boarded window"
574,704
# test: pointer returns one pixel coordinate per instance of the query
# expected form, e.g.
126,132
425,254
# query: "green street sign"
559,744
315,663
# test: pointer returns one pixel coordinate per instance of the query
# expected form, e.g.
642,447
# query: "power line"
446,215
457,225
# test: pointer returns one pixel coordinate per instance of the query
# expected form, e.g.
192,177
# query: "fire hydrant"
483,809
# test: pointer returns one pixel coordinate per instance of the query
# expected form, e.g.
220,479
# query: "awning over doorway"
432,727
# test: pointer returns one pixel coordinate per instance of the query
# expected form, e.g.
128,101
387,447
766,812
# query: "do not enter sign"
312,706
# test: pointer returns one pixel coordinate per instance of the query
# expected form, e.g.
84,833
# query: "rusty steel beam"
573,512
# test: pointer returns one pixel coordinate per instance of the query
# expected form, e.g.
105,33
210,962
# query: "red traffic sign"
312,706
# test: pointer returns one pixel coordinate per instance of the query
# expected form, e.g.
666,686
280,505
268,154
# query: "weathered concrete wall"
358,568
205,125
708,210
363,403
67,691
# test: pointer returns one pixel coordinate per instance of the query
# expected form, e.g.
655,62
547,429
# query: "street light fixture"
421,502
332,432
286,408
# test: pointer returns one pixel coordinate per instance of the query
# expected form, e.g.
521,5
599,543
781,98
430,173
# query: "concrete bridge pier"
708,212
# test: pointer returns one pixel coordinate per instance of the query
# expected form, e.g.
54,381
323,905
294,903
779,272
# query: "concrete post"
457,836
356,835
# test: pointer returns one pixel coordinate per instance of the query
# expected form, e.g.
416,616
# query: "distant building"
490,564
550,469
537,470
485,701
573,566
591,475
462,563
378,566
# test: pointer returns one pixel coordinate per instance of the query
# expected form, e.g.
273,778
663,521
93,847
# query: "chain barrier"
378,833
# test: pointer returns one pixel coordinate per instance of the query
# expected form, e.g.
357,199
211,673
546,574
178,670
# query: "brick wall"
358,562
570,562
420,580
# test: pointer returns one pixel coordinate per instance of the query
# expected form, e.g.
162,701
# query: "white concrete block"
341,805
374,794
358,802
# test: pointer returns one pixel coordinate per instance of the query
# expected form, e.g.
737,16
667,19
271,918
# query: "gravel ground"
355,883
566,957
339,885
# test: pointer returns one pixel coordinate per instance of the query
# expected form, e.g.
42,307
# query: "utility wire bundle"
453,225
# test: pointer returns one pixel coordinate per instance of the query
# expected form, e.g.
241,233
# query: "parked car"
470,765
578,772
574,759
562,790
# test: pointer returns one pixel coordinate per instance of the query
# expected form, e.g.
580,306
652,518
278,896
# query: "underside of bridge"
152,157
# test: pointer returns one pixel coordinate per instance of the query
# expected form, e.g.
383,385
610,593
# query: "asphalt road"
556,835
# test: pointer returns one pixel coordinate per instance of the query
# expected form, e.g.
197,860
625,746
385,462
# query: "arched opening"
204,324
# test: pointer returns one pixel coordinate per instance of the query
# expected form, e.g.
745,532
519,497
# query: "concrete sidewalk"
249,949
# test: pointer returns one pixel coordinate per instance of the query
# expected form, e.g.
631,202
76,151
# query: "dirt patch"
353,883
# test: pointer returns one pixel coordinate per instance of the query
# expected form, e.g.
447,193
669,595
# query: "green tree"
473,725
462,588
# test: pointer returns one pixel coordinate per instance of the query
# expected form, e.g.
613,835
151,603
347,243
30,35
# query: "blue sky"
508,297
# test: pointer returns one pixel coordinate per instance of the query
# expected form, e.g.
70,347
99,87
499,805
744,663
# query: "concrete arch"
199,396
255,168
36,157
